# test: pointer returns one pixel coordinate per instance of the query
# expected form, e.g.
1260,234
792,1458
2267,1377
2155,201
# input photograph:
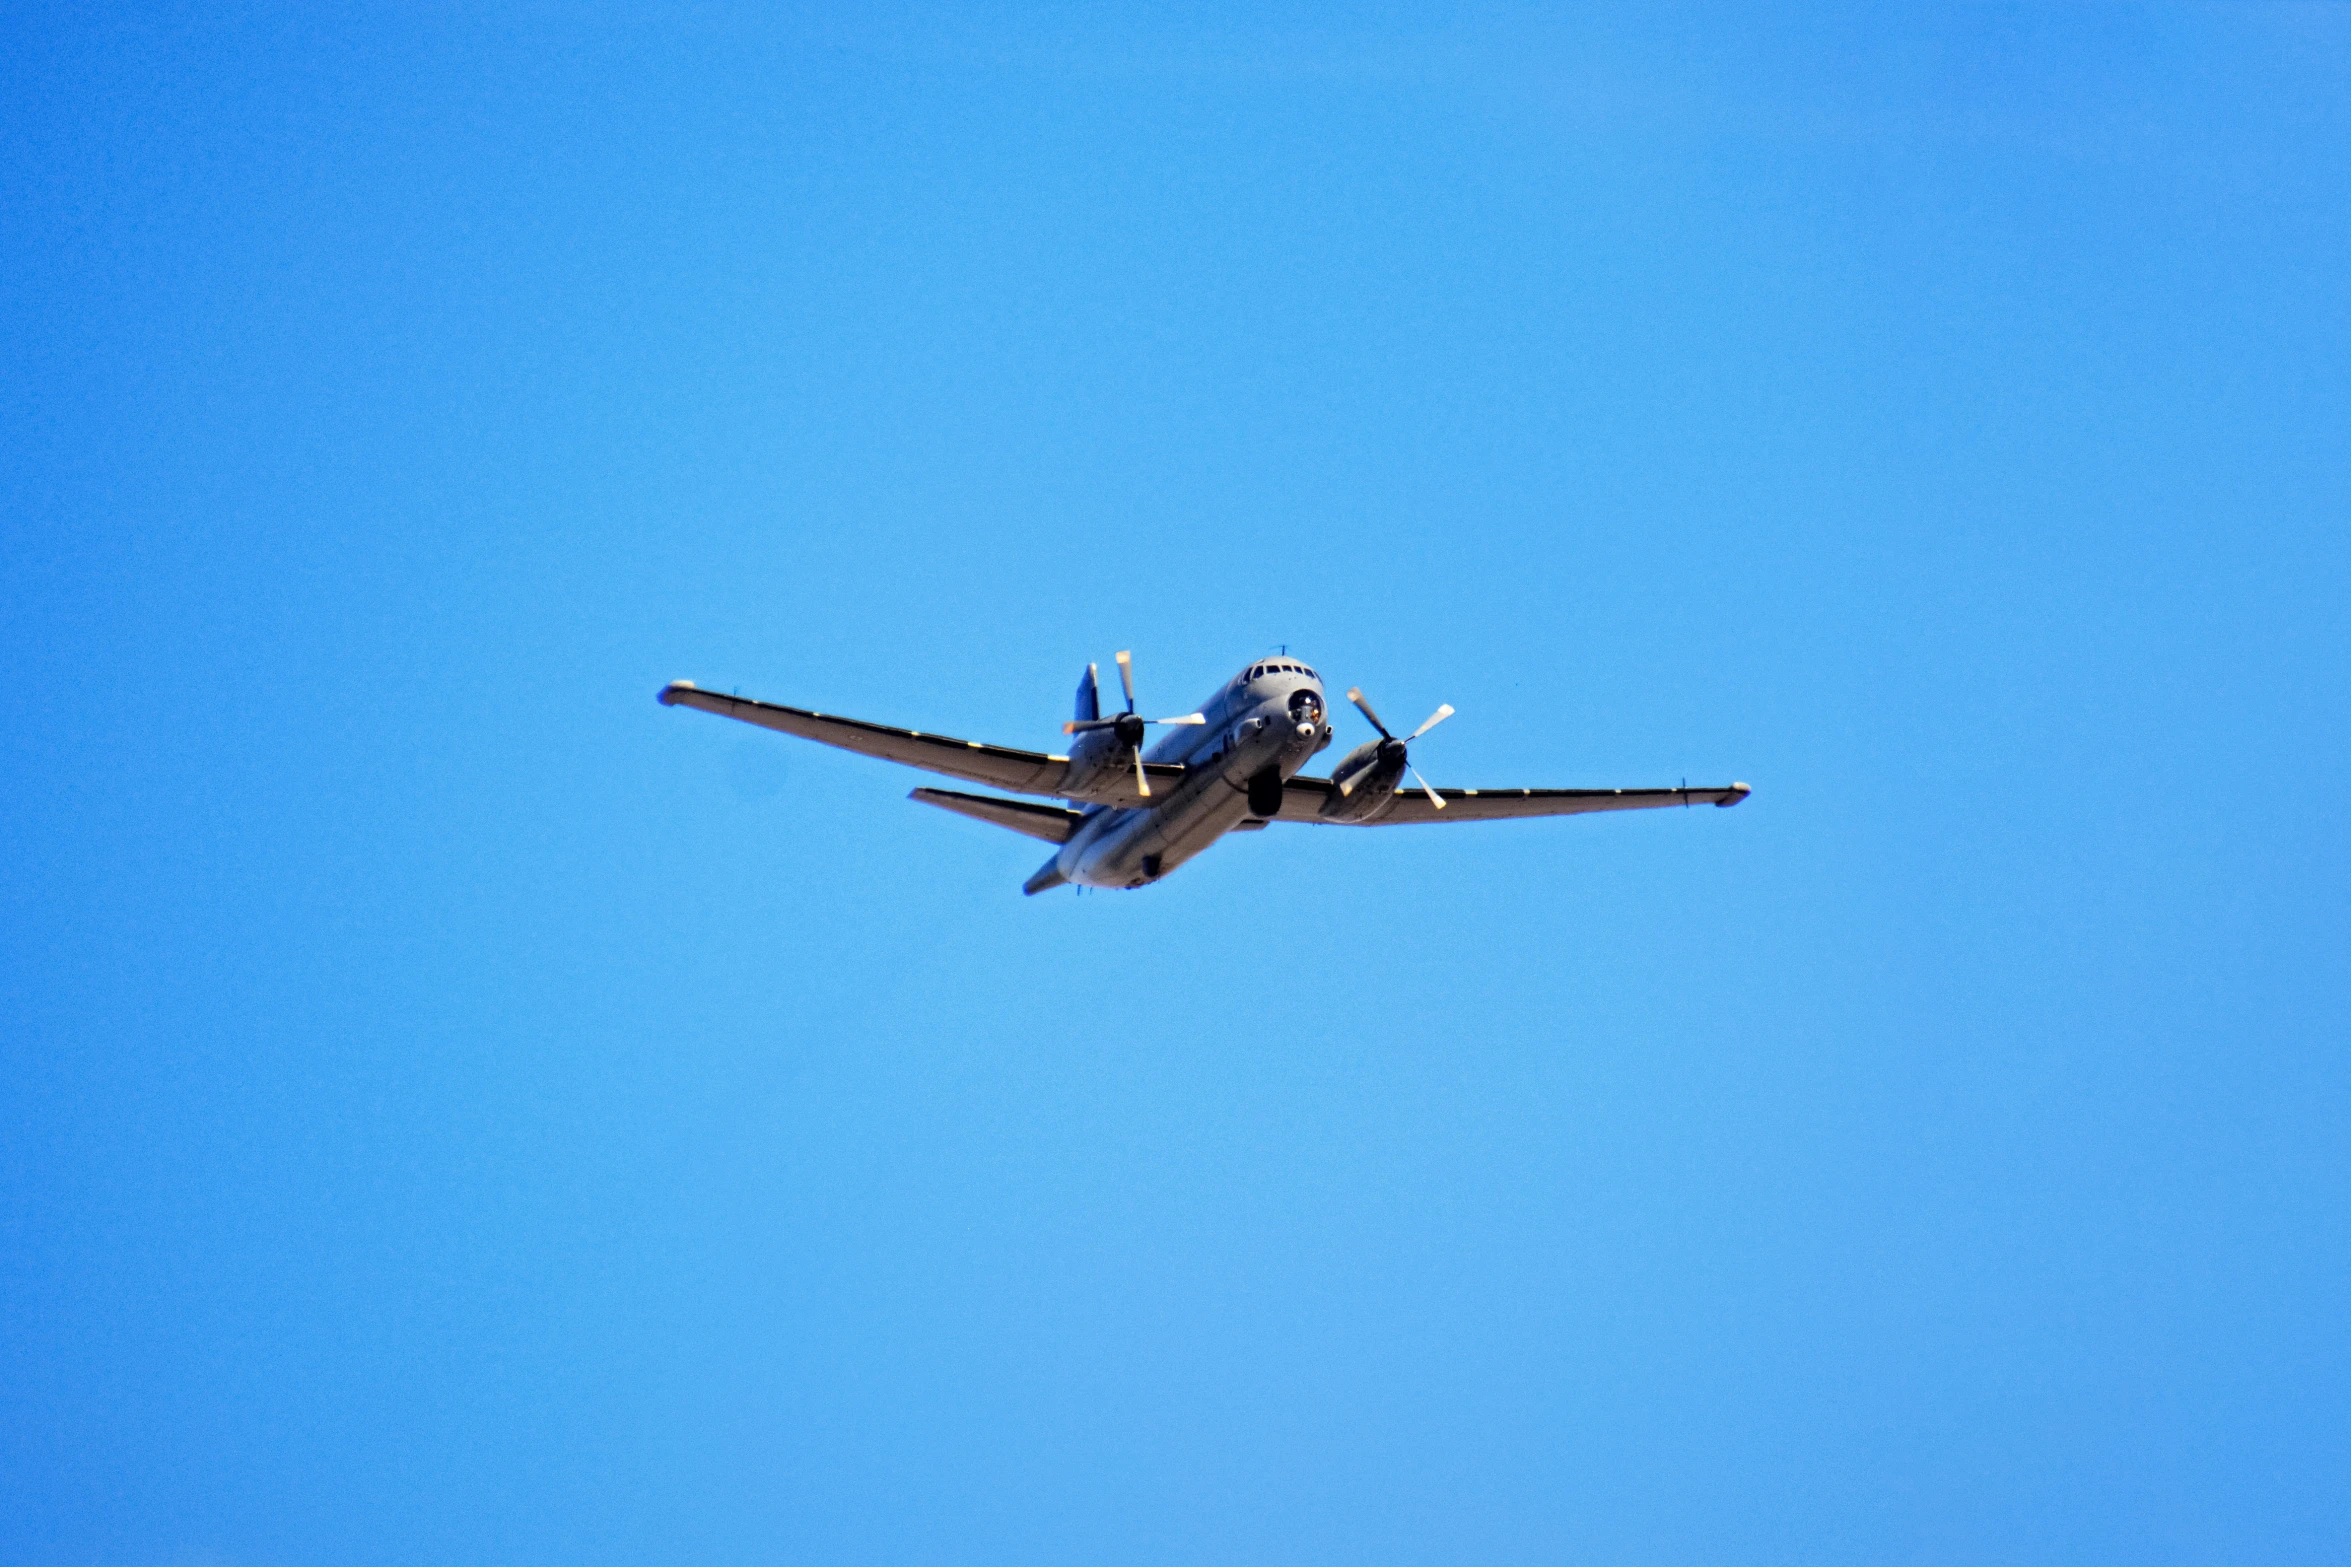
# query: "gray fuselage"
1262,726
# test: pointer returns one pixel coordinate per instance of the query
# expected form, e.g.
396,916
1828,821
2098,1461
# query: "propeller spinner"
1129,727
1393,751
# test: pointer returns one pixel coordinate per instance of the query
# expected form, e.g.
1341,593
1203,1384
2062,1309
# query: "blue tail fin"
1089,697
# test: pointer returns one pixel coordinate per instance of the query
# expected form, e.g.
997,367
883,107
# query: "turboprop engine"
1116,742
1366,778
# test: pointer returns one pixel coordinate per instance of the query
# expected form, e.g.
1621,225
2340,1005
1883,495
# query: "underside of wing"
1052,823
1304,800
1000,766
1488,805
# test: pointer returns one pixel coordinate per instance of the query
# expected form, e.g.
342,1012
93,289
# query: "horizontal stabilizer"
1049,822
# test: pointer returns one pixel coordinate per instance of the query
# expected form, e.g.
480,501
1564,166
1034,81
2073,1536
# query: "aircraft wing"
1001,766
1488,805
1304,798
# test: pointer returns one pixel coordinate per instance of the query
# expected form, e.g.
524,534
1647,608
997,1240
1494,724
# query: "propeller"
1392,749
1128,726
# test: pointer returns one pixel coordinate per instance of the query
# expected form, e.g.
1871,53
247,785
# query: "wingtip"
669,693
1739,791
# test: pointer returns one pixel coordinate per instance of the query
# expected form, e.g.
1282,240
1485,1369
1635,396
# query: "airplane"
1231,766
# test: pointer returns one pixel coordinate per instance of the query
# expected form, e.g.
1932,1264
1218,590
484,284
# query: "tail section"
1089,696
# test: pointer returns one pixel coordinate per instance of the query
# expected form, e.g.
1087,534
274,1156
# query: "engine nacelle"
1098,758
1366,780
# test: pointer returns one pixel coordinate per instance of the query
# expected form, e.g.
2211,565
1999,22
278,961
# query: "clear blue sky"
455,1110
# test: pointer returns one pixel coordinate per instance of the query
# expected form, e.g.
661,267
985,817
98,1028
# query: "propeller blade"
1088,725
1434,799
1126,677
1142,779
1439,716
1355,695
1348,783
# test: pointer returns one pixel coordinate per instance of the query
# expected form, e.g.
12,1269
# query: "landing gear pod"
1265,794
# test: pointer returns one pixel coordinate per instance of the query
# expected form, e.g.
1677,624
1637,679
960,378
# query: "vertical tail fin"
1089,696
